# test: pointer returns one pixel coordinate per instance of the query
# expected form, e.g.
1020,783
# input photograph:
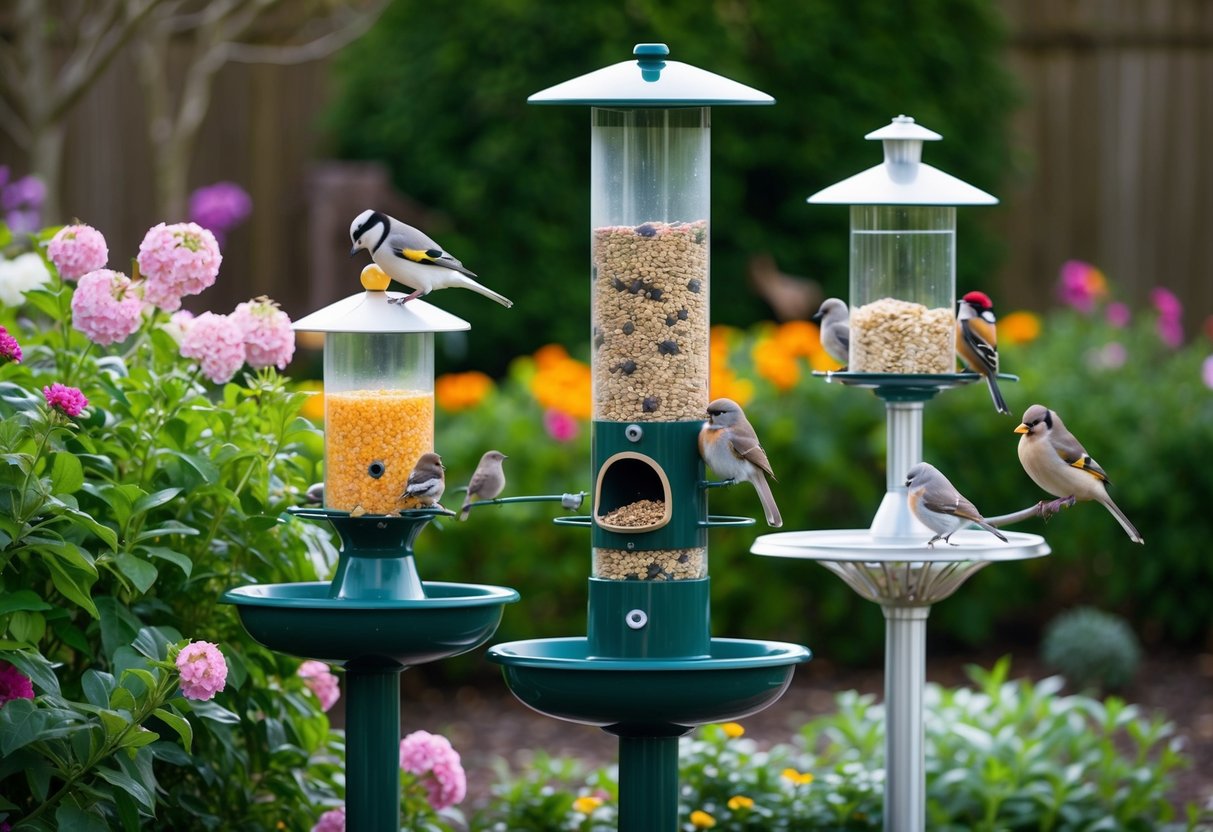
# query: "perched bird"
1059,464
729,446
487,482
410,257
426,483
835,321
939,506
977,343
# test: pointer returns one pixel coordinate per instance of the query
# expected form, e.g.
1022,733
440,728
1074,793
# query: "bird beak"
505,456
354,250
817,318
1022,428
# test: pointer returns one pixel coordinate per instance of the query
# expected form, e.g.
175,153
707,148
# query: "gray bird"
835,321
487,482
410,257
1059,464
729,445
426,482
940,507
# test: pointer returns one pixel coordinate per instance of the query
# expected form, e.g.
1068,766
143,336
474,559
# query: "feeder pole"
372,754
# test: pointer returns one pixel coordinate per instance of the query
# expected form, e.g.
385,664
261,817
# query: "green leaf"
141,573
119,626
179,724
123,699
214,712
67,474
150,501
22,723
114,723
152,641
184,562
107,535
205,468
139,738
73,585
71,818
128,812
28,627
98,686
22,599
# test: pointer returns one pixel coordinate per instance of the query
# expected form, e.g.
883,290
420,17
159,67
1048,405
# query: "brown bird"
729,445
487,482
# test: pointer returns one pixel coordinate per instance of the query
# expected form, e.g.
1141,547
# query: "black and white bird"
426,483
977,341
411,258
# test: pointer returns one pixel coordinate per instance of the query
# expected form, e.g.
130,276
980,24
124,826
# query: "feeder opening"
632,494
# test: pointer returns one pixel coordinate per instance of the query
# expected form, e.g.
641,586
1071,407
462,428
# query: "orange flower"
801,338
725,383
1018,328
550,356
461,391
313,405
561,382
775,364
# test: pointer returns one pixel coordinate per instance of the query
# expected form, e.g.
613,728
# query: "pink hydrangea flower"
10,350
431,758
320,681
77,250
14,684
106,306
331,821
559,425
217,342
203,670
67,400
177,260
178,324
269,340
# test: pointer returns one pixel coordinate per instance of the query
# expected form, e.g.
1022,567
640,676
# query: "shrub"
1091,649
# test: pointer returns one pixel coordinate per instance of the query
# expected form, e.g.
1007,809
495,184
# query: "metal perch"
569,501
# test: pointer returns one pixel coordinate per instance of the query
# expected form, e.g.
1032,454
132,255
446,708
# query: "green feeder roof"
651,81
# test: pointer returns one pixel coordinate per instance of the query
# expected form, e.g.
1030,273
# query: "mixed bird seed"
650,322
654,565
636,515
897,336
368,432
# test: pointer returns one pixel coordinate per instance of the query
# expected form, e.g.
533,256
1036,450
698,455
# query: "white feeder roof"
370,312
903,179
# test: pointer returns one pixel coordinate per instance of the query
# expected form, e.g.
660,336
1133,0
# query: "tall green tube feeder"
648,669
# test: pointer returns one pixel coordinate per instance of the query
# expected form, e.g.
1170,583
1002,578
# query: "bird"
426,482
835,321
1059,464
940,507
486,483
729,446
977,343
408,256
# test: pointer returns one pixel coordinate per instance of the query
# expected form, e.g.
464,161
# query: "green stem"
50,427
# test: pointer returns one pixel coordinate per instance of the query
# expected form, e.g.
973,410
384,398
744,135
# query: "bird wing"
745,445
958,506
843,333
477,482
421,486
421,249
979,338
1074,454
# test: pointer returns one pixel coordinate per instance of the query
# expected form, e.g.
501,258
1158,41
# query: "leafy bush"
1007,755
1091,649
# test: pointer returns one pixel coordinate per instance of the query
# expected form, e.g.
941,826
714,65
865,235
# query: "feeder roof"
903,179
651,81
370,312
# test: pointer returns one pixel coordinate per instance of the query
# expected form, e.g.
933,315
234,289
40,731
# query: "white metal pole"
904,679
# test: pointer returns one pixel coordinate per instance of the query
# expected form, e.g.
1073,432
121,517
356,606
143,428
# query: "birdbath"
648,669
902,291
376,617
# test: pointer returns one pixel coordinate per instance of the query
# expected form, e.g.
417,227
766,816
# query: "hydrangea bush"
145,460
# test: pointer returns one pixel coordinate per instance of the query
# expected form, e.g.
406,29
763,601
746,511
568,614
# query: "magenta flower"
1206,372
431,758
1170,316
1081,285
217,342
559,425
320,681
269,340
203,670
67,400
14,684
220,207
331,821
1118,314
106,306
10,350
177,260
77,250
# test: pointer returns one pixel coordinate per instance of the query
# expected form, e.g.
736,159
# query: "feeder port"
897,336
651,565
373,438
650,321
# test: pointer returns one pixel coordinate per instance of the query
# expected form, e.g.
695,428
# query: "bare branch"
14,124
1044,509
344,33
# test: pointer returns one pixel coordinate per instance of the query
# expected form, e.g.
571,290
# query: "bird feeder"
903,255
378,392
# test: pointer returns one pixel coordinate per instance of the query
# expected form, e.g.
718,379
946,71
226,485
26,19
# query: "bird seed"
897,336
654,565
362,427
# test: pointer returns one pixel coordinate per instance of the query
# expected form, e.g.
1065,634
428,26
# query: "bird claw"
1051,507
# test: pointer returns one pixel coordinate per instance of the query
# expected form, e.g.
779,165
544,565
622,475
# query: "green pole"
648,784
372,747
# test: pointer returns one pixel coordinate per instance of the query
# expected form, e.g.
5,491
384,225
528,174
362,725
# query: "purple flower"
1206,372
1118,314
203,670
14,684
67,400
26,192
220,207
10,350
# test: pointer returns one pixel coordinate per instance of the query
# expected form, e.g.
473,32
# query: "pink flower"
67,400
331,821
10,350
106,307
77,250
1206,372
1170,316
268,337
1081,285
178,324
320,681
217,342
560,426
431,758
14,684
177,260
203,670
1118,314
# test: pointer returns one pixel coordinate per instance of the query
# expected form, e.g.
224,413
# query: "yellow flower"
1018,328
702,820
724,382
460,391
313,405
740,801
798,778
732,730
586,804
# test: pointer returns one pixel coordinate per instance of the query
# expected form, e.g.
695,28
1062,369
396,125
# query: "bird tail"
1000,403
465,510
993,530
481,289
1129,528
774,520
